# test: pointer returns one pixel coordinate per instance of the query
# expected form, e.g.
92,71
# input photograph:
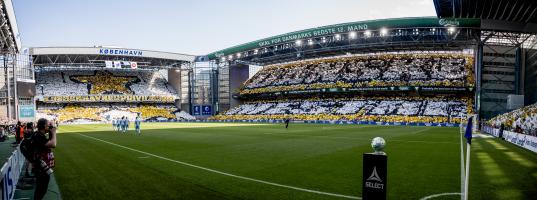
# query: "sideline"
228,174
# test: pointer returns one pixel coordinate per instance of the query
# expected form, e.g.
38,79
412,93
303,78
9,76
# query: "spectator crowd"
379,70
86,82
379,109
103,112
522,120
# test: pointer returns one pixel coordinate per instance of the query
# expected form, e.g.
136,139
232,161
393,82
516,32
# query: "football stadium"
431,107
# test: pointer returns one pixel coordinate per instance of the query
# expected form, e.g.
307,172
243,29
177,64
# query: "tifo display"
89,82
107,112
384,69
379,109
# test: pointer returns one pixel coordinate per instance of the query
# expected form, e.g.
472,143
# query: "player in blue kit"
113,124
124,122
127,123
137,122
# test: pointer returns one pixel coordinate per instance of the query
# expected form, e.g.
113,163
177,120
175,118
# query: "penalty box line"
226,174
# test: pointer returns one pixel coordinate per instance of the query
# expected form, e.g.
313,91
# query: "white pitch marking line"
439,195
421,131
143,157
228,174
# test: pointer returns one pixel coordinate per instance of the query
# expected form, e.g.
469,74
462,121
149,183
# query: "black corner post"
374,176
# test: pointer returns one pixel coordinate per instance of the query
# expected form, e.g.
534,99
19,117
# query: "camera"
44,167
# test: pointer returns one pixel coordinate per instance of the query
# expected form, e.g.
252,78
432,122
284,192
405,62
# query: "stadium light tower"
298,43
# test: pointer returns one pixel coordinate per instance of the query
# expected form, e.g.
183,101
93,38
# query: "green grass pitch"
266,161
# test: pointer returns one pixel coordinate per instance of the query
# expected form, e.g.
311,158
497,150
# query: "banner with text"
109,98
11,171
525,141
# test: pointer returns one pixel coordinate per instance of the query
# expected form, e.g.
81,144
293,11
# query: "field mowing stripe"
227,174
353,138
439,195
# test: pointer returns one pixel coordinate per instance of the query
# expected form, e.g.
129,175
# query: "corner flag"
468,136
468,133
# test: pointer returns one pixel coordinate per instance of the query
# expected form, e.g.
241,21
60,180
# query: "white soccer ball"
378,144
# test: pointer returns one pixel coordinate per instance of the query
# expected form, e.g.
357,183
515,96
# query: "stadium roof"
110,51
74,58
505,10
345,28
9,32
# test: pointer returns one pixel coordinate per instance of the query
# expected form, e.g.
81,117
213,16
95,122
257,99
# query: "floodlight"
383,31
298,42
352,35
337,36
451,29
367,33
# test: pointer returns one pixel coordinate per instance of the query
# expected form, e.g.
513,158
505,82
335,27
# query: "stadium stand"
375,70
102,112
89,82
379,109
385,69
522,120
71,83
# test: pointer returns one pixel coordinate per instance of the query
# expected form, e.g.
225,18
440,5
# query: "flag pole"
467,178
461,132
468,136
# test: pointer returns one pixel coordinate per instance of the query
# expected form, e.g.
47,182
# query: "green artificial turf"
262,161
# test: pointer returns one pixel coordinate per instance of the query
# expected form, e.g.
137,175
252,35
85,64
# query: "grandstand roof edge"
8,4
100,50
430,21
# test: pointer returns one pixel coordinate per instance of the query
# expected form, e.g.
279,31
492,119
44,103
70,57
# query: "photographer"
44,159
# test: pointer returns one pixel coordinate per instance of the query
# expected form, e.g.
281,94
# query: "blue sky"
194,27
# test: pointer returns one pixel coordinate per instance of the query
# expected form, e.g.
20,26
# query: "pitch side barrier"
11,171
331,122
522,140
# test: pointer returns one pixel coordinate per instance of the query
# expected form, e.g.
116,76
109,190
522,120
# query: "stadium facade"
17,85
96,84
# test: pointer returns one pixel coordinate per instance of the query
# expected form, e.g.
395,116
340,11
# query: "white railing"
11,171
